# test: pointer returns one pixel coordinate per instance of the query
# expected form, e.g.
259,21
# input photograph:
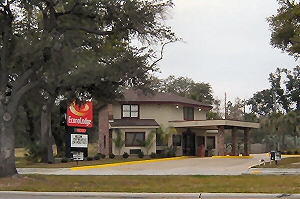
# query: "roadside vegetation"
287,163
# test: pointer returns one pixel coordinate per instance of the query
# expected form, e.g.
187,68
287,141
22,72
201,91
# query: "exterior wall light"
177,106
199,109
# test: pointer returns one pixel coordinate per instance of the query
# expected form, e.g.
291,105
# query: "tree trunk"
46,134
30,120
59,140
7,145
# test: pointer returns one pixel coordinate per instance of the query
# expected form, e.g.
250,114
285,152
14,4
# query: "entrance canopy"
214,124
221,125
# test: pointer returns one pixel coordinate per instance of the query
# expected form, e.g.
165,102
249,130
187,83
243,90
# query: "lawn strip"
155,184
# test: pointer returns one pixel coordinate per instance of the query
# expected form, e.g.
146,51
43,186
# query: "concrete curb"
228,156
152,195
126,163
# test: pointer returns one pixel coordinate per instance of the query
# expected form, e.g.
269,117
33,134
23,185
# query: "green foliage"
153,155
103,156
141,154
125,155
89,158
112,156
34,153
118,140
285,27
171,151
164,134
65,160
47,47
148,143
97,157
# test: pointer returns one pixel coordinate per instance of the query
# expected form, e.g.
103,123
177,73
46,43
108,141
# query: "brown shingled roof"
136,96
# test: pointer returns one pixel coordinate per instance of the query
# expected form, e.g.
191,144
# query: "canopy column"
235,150
221,150
247,141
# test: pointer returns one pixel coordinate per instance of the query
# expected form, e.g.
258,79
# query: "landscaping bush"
64,160
103,156
112,156
282,152
89,158
125,155
153,155
97,157
141,154
289,152
296,152
34,153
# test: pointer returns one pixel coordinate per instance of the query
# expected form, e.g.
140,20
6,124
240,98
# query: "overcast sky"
226,45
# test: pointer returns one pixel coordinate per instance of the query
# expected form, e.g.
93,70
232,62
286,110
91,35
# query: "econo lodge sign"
80,115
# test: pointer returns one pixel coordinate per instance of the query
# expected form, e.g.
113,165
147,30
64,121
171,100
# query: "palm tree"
277,127
118,140
164,134
292,120
149,141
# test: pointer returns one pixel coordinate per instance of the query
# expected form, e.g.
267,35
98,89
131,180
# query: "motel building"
138,114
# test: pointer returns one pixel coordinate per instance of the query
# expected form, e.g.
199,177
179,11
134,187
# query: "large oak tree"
43,43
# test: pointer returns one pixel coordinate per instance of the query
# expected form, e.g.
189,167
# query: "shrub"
97,157
289,152
141,154
296,152
64,160
112,156
153,155
282,152
34,152
103,156
89,158
125,155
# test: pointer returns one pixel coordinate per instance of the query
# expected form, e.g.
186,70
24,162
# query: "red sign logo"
80,115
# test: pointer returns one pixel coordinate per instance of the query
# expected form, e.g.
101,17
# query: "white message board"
79,140
77,155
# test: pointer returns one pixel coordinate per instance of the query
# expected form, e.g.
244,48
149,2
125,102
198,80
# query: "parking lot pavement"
186,166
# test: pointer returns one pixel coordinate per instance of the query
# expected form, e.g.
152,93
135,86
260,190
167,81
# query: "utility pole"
225,106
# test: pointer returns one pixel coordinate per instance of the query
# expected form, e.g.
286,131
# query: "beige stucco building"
140,114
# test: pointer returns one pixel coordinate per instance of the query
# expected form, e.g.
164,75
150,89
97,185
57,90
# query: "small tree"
118,140
148,143
164,134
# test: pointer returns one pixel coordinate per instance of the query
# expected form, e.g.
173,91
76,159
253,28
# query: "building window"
130,111
188,113
211,142
134,138
176,140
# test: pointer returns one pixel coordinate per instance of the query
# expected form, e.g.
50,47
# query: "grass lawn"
153,184
289,162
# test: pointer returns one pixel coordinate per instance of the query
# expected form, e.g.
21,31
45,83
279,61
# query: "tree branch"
85,29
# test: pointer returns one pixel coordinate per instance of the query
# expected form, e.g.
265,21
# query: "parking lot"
182,166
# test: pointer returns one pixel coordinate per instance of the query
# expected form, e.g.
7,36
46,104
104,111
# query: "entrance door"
188,143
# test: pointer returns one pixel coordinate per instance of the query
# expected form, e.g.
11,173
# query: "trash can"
272,153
